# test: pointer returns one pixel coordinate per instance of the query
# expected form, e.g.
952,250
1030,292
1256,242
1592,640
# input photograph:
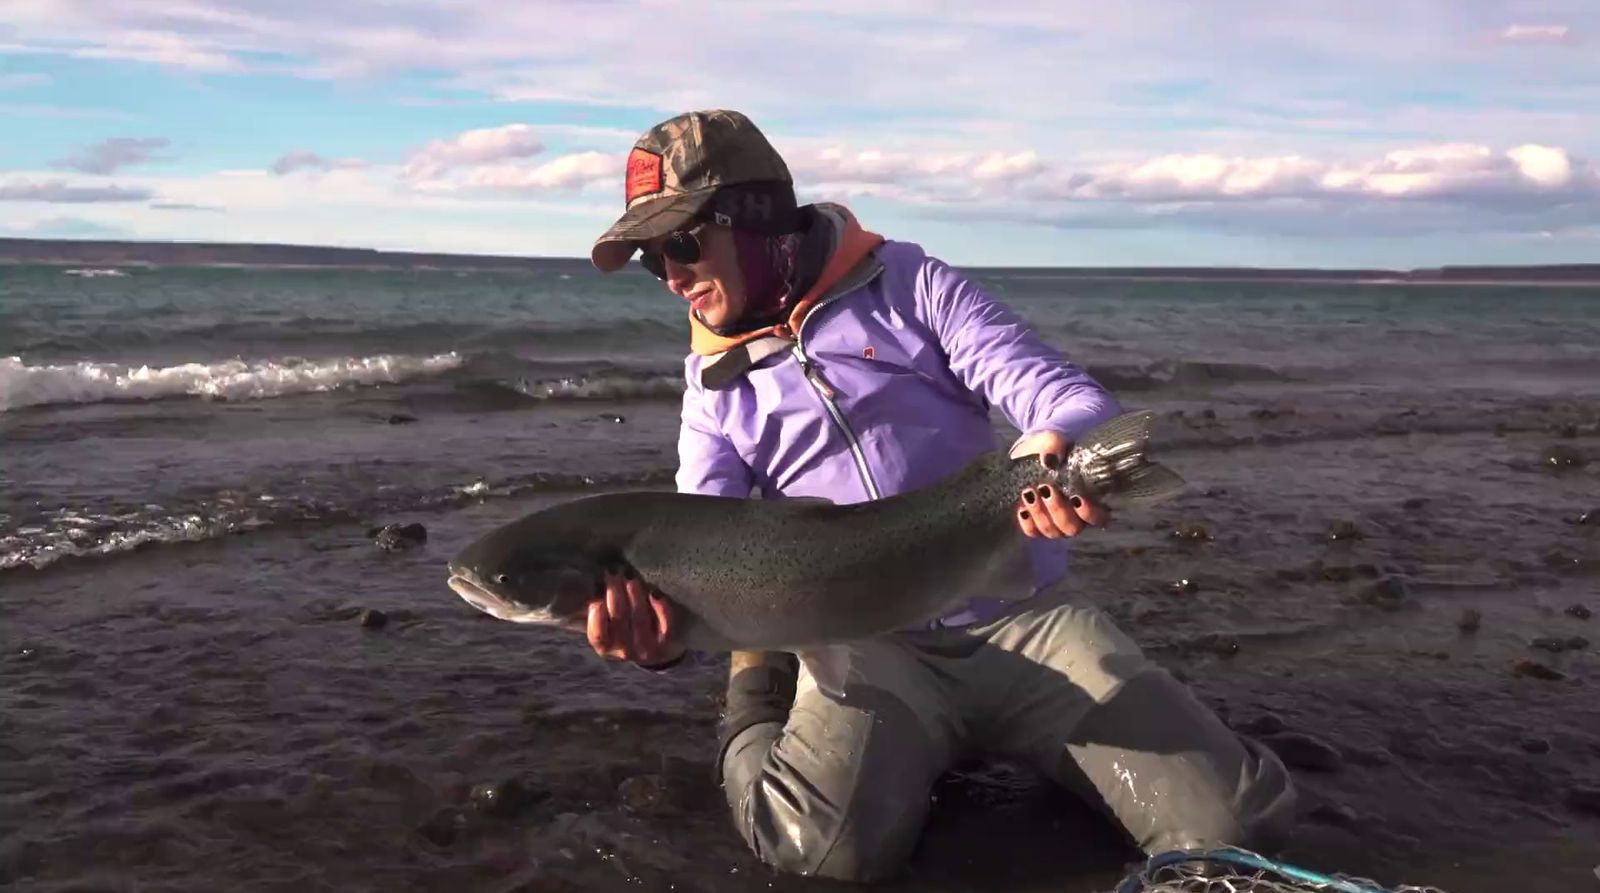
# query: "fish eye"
502,579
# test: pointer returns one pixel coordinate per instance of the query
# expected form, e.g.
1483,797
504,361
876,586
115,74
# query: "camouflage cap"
707,164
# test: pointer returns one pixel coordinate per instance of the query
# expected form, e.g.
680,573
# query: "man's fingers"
1035,515
1039,517
1038,509
1044,443
596,627
1060,515
629,621
1091,512
663,612
641,618
1027,521
617,613
1045,524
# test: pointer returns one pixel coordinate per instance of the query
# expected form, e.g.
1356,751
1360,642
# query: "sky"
1141,132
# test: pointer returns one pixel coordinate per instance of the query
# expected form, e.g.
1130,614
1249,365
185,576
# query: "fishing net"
1241,871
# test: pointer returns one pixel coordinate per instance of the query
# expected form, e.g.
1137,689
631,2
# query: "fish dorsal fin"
793,500
1127,432
1150,484
805,500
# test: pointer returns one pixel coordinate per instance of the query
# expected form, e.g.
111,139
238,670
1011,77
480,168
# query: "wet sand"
216,716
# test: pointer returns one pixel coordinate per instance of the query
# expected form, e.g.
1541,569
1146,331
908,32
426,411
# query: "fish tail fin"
1129,432
1150,484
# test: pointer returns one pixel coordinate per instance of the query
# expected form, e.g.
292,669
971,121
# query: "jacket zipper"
826,392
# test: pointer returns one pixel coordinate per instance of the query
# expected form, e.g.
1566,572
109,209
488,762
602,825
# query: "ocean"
192,462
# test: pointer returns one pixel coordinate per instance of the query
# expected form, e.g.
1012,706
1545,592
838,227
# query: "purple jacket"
887,389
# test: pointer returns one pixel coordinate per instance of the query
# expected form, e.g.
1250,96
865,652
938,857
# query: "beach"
1387,565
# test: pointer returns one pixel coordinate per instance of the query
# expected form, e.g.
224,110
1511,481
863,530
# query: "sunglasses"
682,247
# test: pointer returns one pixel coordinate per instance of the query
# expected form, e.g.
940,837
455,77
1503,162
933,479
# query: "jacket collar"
851,264
851,245
721,369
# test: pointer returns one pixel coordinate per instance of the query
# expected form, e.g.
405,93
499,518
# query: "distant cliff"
212,254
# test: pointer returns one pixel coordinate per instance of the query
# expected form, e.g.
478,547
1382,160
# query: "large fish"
786,574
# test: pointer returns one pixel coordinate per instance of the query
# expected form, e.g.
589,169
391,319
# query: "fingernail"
1076,502
1023,514
1028,497
1051,460
1044,492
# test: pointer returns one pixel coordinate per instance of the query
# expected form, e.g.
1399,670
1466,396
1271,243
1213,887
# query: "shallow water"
211,712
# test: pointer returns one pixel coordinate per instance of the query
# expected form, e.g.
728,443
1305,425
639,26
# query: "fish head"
556,595
516,575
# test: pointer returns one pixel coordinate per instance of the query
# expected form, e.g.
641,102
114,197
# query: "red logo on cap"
644,173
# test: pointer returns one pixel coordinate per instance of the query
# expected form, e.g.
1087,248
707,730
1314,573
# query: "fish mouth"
467,585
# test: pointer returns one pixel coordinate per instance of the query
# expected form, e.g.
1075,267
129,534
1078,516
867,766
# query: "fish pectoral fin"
1149,484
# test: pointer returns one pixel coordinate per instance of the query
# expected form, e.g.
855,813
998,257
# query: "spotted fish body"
785,574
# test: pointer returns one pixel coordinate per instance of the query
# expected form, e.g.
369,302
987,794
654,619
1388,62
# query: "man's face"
713,285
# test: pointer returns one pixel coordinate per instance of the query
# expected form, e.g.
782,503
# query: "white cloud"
1446,187
162,48
1467,173
187,206
297,160
244,191
575,171
1536,34
16,189
556,205
113,154
306,160
501,160
1001,166
1546,166
339,207
474,147
1416,191
1186,177
928,165
1039,64
63,228
836,164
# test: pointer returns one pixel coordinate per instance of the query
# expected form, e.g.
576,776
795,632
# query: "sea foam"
90,382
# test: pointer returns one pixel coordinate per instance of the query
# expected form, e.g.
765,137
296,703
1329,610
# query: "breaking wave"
22,385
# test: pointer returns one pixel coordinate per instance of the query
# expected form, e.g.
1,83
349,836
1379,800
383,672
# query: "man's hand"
1044,510
632,622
